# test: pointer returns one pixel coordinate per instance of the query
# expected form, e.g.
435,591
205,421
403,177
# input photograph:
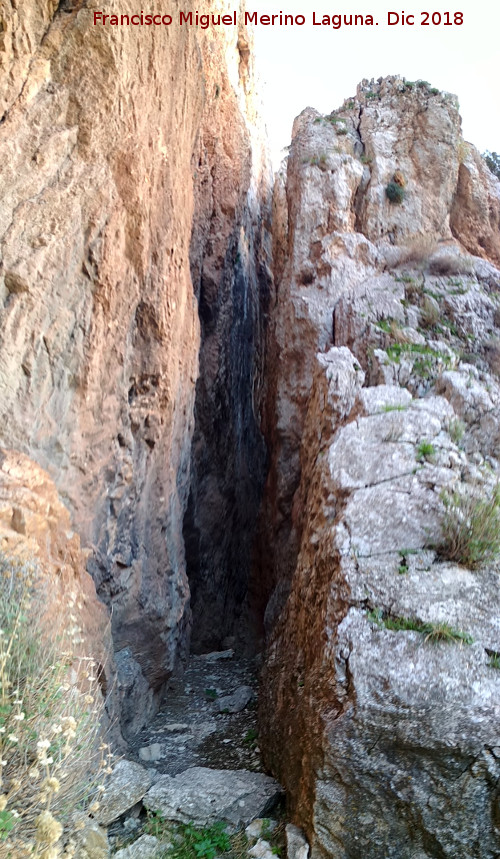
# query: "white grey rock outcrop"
394,755
296,842
126,786
203,796
146,847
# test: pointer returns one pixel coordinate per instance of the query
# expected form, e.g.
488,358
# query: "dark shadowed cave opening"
228,457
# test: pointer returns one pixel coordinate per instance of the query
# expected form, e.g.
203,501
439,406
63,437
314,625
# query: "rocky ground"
209,719
198,764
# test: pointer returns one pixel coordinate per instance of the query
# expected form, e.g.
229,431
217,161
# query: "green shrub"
50,713
471,528
426,451
189,841
395,193
493,161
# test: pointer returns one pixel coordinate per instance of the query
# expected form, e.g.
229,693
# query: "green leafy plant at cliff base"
189,841
50,713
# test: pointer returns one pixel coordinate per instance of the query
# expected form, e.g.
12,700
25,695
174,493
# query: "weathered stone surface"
392,730
216,655
296,843
204,796
125,788
256,827
151,753
475,214
146,847
261,850
127,201
337,241
389,124
92,843
35,525
236,702
135,695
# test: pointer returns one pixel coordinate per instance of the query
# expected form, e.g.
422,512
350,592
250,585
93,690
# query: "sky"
319,66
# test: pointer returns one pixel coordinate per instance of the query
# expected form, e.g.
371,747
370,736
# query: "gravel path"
190,729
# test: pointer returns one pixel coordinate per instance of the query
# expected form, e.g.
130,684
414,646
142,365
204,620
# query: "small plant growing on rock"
211,693
190,841
440,631
395,193
250,738
456,430
493,161
429,315
471,528
50,711
426,451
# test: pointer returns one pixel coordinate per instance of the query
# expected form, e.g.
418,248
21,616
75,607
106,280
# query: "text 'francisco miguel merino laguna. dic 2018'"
280,19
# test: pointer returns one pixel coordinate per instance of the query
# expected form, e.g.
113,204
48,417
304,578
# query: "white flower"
45,762
19,717
43,744
13,738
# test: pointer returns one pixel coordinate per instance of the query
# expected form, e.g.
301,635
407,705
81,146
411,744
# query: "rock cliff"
133,175
146,350
380,693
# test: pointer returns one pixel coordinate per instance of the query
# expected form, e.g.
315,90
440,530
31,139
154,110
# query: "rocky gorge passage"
257,454
197,765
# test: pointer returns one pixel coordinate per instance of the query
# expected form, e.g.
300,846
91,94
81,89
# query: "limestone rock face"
379,697
336,238
475,214
117,144
35,525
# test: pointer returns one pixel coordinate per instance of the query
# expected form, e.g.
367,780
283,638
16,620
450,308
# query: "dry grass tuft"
417,250
471,528
51,710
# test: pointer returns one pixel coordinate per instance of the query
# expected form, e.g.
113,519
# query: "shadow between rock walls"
228,456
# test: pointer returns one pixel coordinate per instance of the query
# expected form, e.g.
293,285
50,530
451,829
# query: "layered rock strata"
380,695
110,139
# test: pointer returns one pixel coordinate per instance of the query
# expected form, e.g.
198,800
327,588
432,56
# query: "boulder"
126,786
203,796
236,702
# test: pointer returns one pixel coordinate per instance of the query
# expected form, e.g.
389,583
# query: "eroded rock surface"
204,796
35,526
119,184
380,695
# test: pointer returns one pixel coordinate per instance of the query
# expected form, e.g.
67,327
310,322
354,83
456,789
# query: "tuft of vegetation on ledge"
50,719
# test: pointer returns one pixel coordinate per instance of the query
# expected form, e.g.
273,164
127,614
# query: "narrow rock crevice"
228,463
